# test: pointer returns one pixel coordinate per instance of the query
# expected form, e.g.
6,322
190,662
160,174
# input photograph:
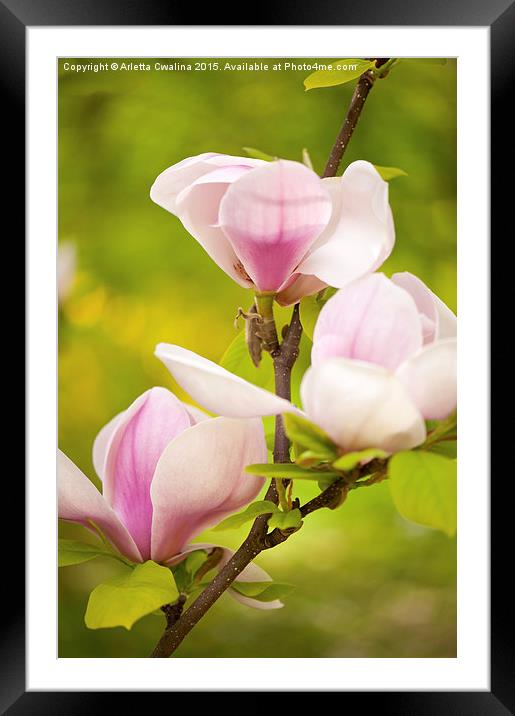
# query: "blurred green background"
369,584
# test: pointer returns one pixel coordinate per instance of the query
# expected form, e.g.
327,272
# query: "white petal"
196,414
216,389
430,379
437,318
360,234
361,405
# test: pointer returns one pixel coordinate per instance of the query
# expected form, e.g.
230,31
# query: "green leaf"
306,159
352,459
310,307
258,154
123,600
326,482
261,507
423,487
441,429
287,471
194,561
310,436
184,572
285,520
448,448
263,591
236,359
71,551
309,458
341,71
388,173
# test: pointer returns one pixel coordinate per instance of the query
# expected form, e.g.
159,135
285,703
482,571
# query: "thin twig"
359,97
284,359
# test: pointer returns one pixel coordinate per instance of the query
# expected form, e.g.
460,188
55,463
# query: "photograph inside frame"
257,357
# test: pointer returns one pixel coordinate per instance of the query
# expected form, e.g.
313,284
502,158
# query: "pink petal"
251,573
361,405
200,479
215,388
360,234
370,320
176,178
439,321
80,501
430,379
297,289
101,443
198,206
135,447
271,216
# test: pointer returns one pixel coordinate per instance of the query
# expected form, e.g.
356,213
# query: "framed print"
247,249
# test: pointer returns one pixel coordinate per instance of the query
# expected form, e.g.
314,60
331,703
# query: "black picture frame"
499,16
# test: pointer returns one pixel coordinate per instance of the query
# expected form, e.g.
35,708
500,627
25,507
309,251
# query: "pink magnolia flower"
398,324
276,226
384,360
168,472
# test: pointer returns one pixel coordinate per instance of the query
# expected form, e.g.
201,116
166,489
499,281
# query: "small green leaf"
306,159
341,71
258,154
285,520
309,458
71,551
123,600
310,307
310,436
270,438
326,482
352,459
236,359
262,507
287,471
388,173
423,487
194,561
184,572
448,448
441,430
263,591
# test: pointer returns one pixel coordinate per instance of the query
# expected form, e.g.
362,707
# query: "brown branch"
284,360
256,542
284,357
359,97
